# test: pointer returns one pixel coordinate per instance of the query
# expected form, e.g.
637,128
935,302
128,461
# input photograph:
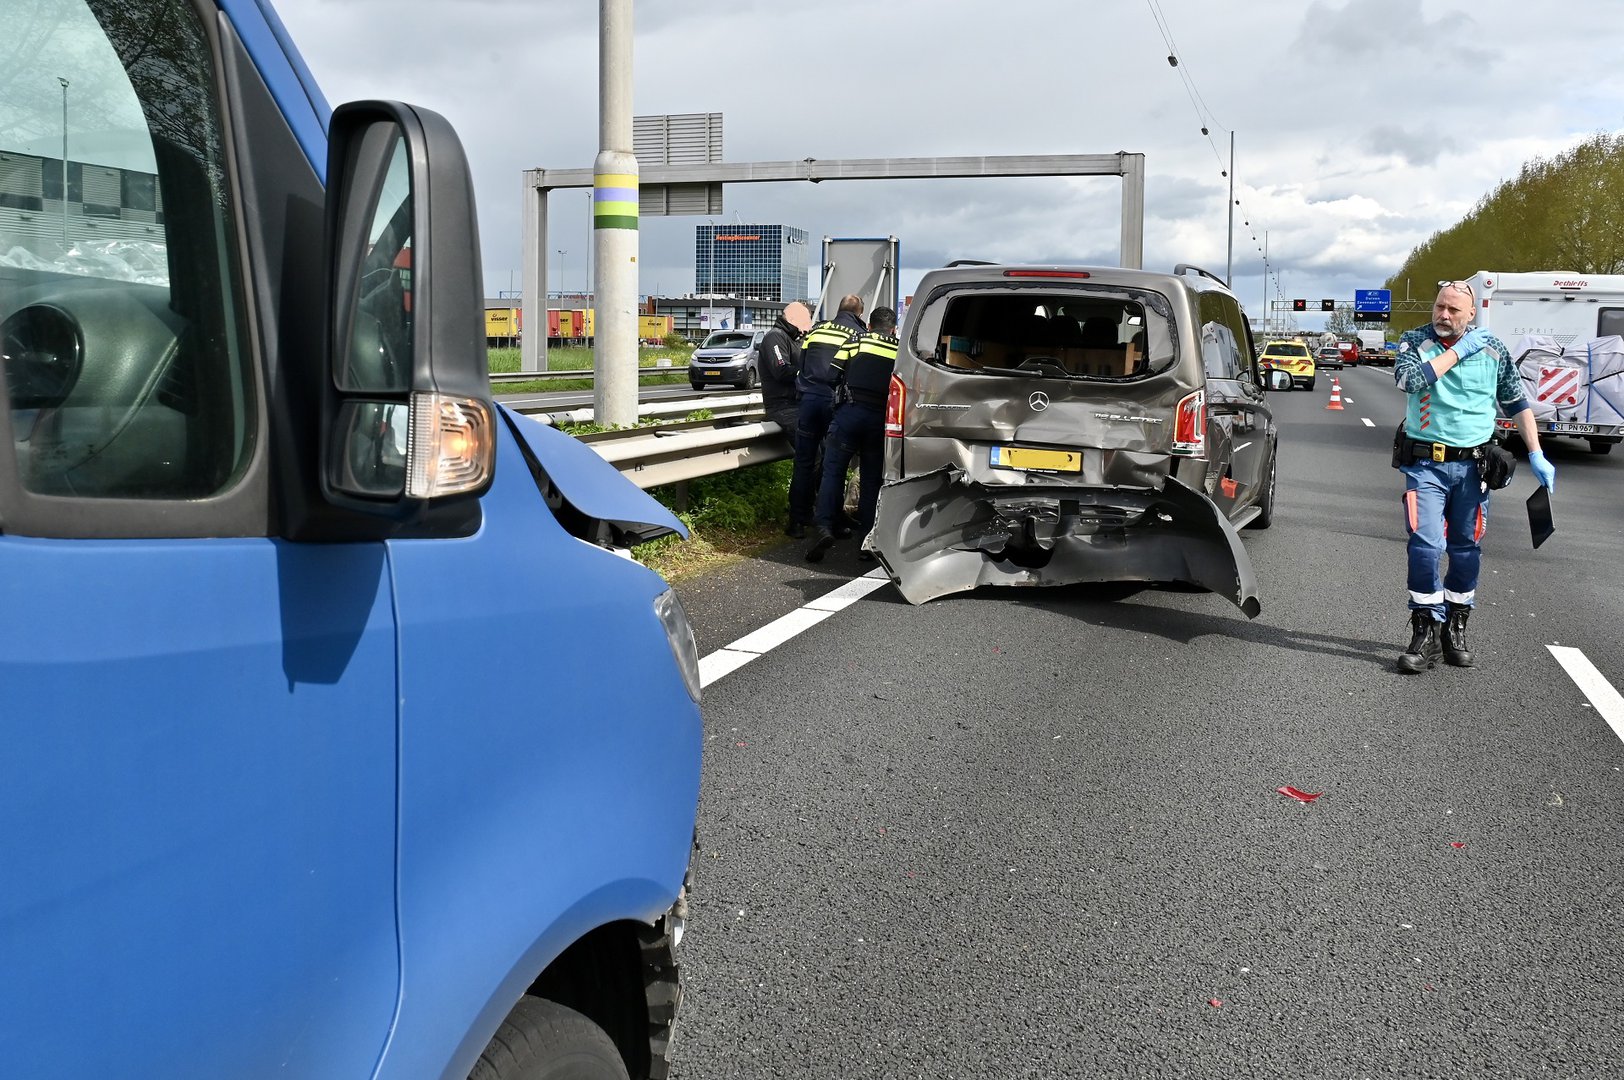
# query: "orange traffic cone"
1336,397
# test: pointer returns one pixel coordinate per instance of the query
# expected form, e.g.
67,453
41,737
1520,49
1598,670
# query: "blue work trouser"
1445,509
858,429
812,424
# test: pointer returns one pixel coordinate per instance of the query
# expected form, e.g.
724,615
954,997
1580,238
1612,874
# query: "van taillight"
1190,425
895,401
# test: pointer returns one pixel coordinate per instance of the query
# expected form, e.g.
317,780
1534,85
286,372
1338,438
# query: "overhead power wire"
1203,112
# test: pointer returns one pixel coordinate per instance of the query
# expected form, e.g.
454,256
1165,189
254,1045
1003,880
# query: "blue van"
342,739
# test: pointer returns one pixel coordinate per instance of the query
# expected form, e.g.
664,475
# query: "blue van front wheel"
543,1040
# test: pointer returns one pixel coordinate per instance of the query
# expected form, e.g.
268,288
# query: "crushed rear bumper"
939,533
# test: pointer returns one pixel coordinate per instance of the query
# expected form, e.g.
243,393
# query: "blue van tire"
543,1040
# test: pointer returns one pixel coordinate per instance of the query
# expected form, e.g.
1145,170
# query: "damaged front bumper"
940,533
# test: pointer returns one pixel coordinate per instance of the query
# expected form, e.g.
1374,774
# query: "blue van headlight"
680,633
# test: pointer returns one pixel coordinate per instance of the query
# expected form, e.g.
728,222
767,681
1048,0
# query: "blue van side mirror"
409,417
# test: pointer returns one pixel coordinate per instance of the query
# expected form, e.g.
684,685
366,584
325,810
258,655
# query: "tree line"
1566,213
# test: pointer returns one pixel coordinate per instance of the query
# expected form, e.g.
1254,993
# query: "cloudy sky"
1361,126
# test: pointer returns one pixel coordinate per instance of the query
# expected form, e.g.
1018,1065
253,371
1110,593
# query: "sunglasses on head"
1461,285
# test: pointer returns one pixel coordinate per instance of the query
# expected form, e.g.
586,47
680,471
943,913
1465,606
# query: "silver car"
1051,425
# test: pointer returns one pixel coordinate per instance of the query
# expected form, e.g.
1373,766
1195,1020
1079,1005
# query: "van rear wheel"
543,1040
1601,446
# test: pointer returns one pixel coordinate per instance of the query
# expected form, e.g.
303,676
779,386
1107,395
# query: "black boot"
1423,649
822,541
794,529
1456,654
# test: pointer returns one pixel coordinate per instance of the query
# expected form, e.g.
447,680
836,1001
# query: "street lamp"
561,254
64,83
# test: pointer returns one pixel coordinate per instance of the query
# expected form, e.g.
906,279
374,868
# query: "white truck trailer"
1373,347
1563,330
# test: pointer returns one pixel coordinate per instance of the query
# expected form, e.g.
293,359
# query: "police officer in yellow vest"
1454,377
817,386
863,368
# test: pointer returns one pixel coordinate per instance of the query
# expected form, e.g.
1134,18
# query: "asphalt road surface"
1031,834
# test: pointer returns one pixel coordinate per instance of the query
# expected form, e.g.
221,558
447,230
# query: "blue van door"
198,790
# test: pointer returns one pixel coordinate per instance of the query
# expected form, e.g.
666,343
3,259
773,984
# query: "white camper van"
1550,303
1563,330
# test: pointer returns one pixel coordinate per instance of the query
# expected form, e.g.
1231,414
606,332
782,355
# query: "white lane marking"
1368,421
849,593
1241,447
734,655
1594,684
1347,401
721,662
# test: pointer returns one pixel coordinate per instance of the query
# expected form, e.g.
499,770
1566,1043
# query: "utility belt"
846,394
1416,450
1495,464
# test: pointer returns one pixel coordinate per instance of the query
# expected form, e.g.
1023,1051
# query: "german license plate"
1573,429
713,373
1023,457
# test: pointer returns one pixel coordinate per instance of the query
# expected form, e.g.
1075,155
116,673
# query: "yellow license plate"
1022,457
713,373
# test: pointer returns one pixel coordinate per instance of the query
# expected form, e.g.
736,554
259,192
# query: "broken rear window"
1081,332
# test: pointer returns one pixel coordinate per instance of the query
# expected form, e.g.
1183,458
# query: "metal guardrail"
737,434
650,457
734,407
499,377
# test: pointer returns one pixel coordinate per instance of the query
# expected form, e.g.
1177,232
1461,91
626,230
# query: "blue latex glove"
1544,470
1471,342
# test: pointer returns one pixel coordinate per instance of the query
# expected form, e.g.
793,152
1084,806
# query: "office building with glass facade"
766,262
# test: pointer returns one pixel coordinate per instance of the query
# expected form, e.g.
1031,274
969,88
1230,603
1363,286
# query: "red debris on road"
1301,796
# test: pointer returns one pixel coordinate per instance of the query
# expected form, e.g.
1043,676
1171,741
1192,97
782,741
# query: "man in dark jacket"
817,386
863,366
778,360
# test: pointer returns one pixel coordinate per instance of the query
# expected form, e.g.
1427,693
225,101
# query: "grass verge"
729,516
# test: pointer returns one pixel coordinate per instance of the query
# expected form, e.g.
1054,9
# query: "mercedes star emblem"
1039,401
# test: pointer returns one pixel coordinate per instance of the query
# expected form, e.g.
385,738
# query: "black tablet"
1539,515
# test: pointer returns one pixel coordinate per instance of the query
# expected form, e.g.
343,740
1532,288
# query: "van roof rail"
1184,268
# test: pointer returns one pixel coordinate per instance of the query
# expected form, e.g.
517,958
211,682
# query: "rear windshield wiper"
1041,367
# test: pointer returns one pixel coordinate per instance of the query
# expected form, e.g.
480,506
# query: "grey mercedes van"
1053,425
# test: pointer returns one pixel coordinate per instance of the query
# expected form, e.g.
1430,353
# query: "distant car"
727,357
1293,357
1329,356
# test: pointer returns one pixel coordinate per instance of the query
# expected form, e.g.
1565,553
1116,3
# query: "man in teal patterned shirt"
1455,378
